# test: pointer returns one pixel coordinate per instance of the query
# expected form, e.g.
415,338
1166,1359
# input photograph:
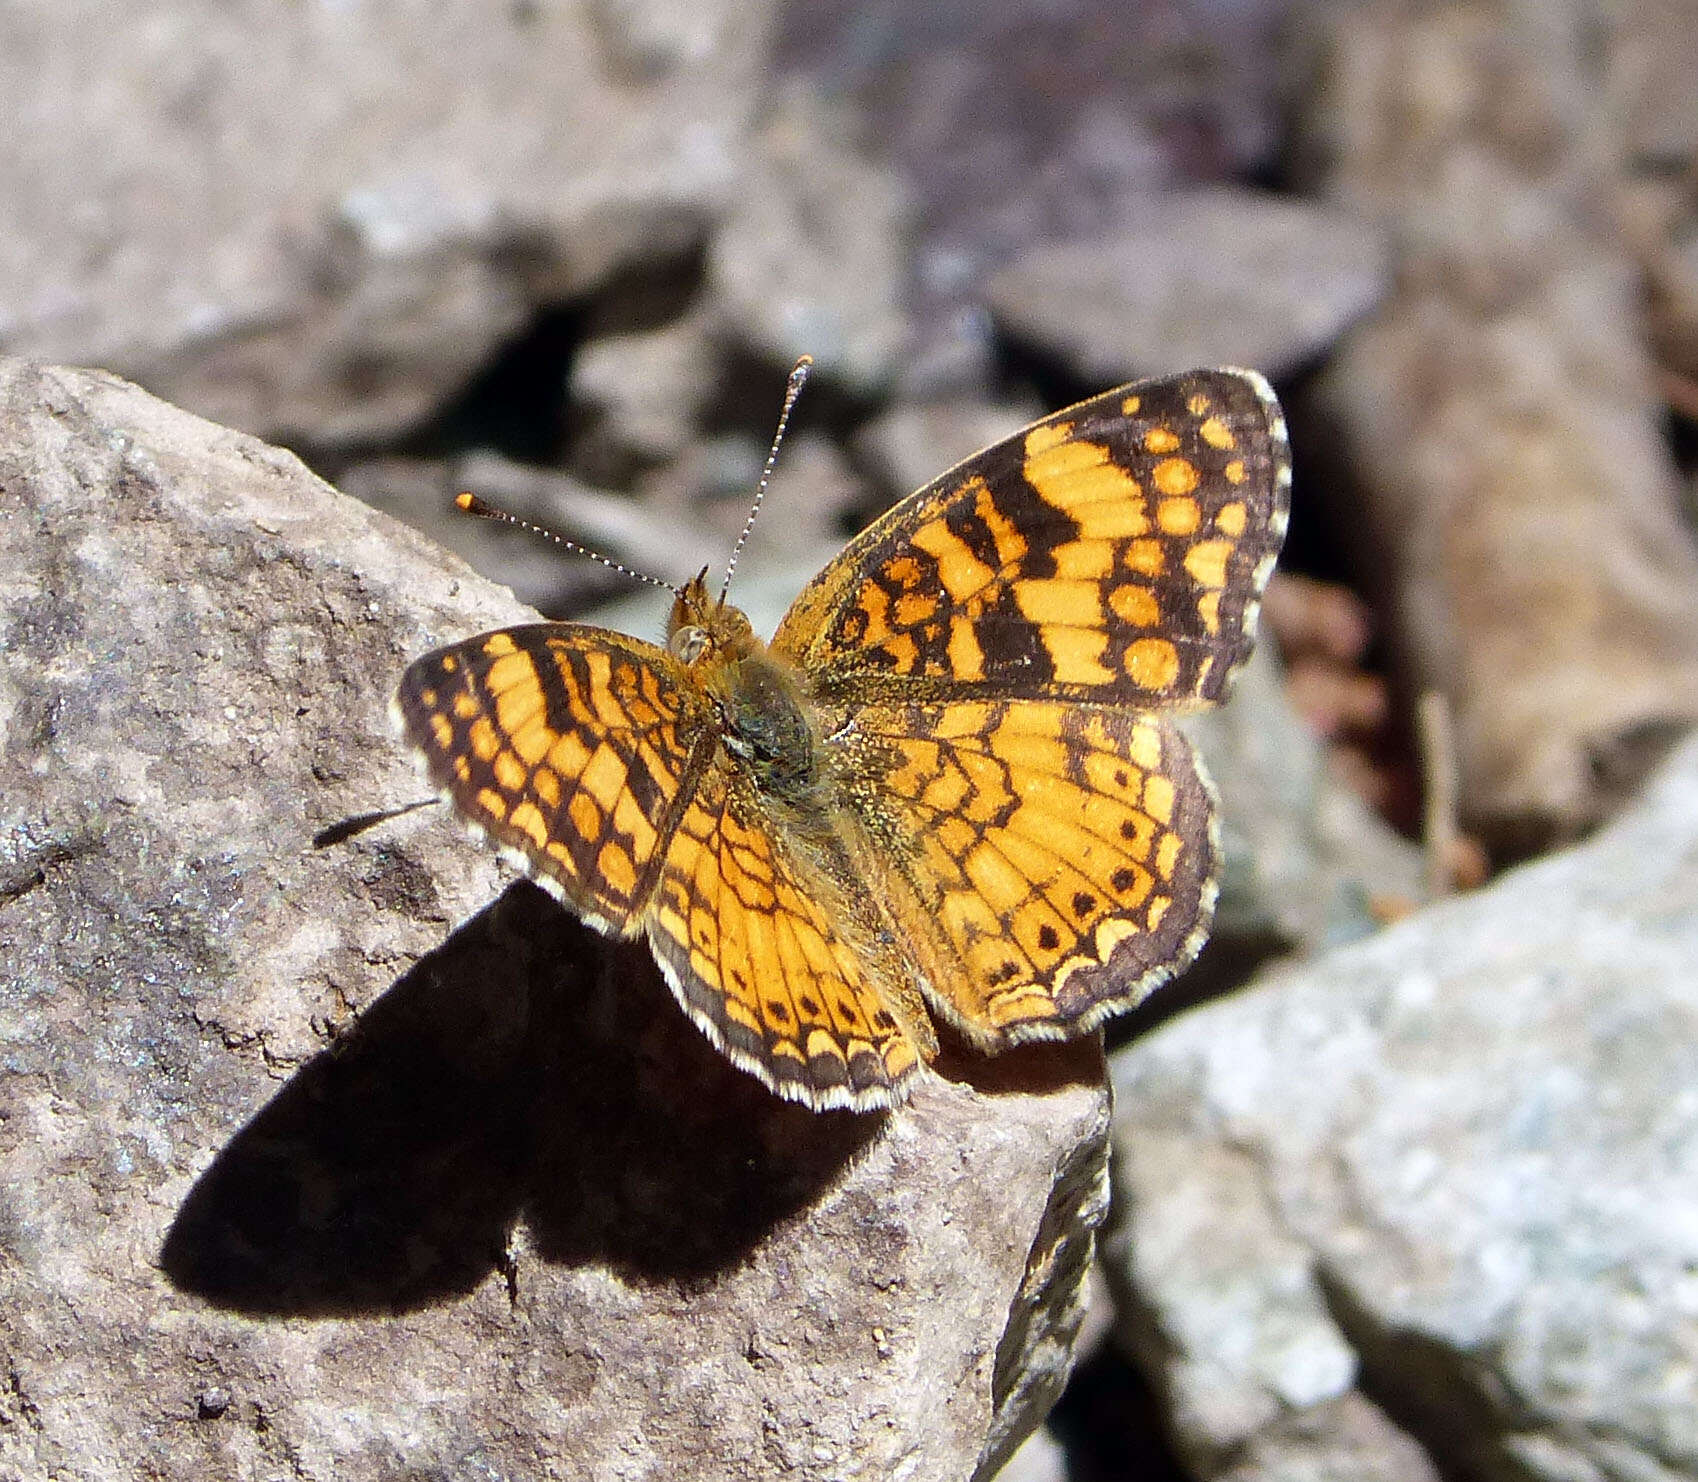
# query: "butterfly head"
703,627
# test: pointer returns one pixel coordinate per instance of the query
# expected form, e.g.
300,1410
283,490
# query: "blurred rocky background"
1405,1172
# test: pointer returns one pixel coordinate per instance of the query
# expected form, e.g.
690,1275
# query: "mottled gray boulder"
337,1153
913,442
812,255
1200,277
1510,491
1429,1204
319,221
1304,860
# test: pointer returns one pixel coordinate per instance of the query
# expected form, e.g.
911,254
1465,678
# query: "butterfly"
950,789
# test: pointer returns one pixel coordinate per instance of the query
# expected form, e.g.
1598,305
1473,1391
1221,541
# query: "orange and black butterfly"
950,786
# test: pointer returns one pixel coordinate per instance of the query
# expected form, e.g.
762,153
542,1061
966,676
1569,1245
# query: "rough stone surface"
1447,1176
641,393
810,258
796,535
1654,57
1040,1459
1203,277
338,1153
912,443
1304,862
1510,489
667,545
1655,73
1020,124
327,244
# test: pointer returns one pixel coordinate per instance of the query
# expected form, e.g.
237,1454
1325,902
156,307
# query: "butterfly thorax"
766,719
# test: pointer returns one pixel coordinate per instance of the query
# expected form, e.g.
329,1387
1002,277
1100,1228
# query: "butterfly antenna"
792,389
475,506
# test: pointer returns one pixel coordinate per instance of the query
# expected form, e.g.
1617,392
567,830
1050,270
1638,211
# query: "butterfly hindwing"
1056,862
756,953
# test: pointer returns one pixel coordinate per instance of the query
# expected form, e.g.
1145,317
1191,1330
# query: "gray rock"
1039,1459
1448,1175
1507,478
1303,858
795,535
421,491
1347,1439
1654,65
915,441
332,1151
1205,277
642,392
810,258
666,545
329,244
1019,124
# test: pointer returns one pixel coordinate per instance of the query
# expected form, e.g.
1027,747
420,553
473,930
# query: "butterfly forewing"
572,745
1114,552
597,758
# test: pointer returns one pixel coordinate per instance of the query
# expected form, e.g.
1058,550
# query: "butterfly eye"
689,643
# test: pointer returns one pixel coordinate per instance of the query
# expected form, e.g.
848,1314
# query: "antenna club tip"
467,502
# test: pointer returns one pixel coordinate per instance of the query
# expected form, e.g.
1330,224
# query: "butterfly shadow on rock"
527,1069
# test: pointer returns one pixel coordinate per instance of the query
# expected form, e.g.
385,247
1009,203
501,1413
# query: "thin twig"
1439,828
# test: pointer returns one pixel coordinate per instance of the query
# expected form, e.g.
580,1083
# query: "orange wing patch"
756,961
570,745
1115,552
1061,859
